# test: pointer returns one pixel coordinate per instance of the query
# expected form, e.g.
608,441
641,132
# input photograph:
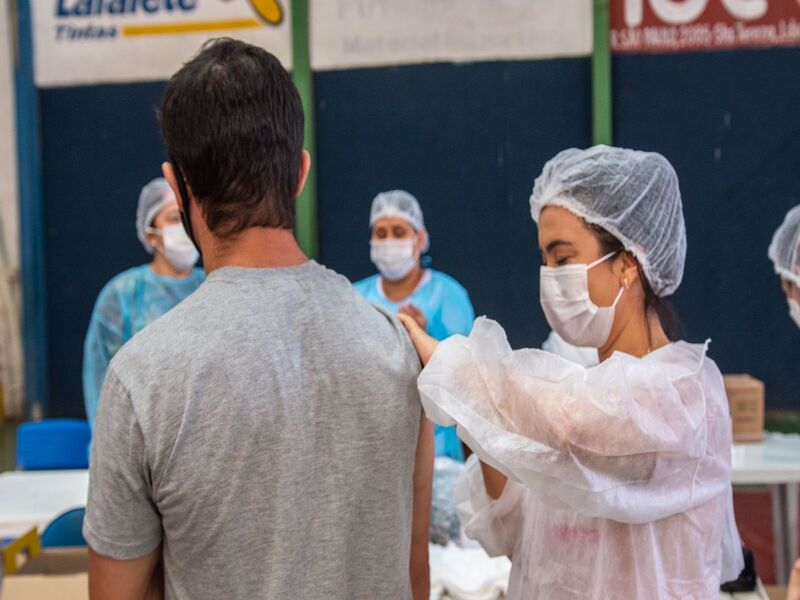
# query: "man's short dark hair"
232,122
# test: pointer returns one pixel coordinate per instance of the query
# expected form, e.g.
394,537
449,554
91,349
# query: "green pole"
307,228
601,75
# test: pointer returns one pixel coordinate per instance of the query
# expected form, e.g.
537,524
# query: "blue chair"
66,530
53,444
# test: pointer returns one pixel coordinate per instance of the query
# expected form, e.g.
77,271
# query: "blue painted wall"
730,124
468,140
100,145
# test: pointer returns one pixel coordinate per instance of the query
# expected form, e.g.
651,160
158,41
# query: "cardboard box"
746,403
55,573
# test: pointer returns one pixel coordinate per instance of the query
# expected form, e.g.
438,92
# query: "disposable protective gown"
619,474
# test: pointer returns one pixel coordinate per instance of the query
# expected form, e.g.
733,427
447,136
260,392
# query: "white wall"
363,33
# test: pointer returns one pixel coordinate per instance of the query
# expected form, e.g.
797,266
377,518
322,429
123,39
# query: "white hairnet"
784,251
400,204
152,199
633,195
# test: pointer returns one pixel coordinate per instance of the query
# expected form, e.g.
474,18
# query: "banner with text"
105,41
647,26
363,33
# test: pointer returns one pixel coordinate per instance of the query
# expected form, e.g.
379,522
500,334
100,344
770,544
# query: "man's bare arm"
137,579
423,489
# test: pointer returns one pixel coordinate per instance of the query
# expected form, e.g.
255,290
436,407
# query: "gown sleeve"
496,524
628,440
104,338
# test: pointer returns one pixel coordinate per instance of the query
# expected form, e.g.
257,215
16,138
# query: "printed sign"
360,33
105,41
641,26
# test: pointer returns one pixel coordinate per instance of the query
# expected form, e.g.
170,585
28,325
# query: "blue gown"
126,305
448,310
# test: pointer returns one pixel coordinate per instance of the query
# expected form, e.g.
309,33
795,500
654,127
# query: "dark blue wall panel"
468,140
100,145
730,124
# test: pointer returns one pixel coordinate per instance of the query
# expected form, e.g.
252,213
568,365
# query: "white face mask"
393,258
178,248
564,293
794,311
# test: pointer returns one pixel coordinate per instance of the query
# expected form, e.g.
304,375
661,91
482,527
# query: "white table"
775,462
34,498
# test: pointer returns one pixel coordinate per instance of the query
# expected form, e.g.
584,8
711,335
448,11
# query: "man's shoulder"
160,343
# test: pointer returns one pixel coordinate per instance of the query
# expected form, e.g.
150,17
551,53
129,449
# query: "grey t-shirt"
264,432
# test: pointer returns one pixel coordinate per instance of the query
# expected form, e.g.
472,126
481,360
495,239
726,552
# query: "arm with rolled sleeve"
122,524
419,568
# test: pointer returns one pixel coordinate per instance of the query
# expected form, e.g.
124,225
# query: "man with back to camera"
264,439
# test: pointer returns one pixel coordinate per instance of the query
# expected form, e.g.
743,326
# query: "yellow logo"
270,11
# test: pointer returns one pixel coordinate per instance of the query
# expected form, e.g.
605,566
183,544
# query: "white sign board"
363,33
78,42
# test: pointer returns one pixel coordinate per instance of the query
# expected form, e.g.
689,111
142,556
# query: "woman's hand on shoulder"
424,343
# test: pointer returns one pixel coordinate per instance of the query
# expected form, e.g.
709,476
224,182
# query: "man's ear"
169,175
305,169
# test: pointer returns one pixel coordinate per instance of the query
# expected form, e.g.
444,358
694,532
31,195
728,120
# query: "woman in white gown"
611,481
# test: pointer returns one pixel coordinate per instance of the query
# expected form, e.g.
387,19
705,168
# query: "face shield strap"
186,219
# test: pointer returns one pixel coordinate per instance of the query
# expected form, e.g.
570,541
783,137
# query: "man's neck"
254,248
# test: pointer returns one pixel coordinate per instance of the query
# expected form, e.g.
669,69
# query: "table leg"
793,539
779,527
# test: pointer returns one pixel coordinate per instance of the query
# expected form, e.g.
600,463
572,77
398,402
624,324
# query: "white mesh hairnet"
400,204
633,195
151,199
784,251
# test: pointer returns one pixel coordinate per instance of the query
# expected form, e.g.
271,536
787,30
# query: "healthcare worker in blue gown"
435,300
137,297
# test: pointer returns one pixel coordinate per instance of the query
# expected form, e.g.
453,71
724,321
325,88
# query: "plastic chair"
66,530
53,444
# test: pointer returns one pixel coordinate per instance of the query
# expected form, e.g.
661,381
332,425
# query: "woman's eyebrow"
556,243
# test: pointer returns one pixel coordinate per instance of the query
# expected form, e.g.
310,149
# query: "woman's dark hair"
653,303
